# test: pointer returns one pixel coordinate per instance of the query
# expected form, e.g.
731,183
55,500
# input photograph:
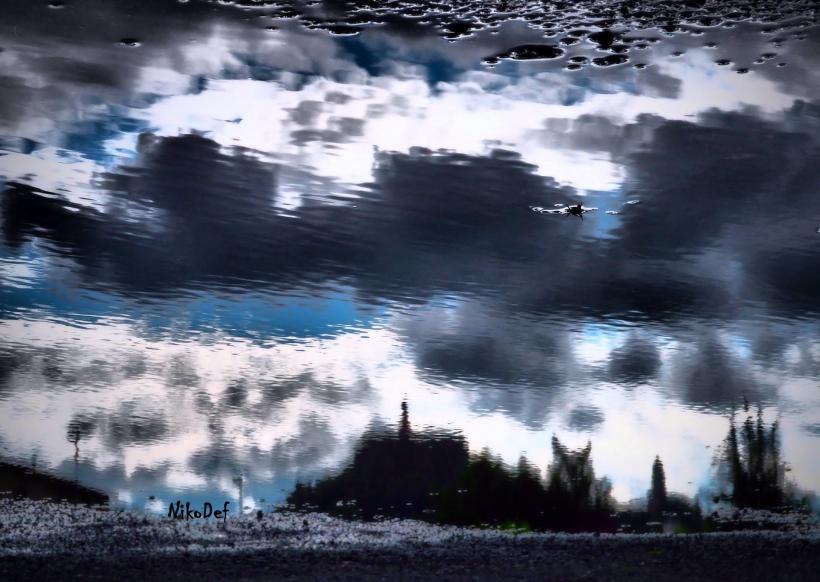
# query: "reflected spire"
404,425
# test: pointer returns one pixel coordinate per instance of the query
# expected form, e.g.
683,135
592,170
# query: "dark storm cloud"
14,97
131,425
596,133
511,366
699,177
707,373
635,362
436,223
61,70
214,212
306,113
585,418
471,344
769,345
808,362
652,82
77,50
303,449
10,361
59,64
235,394
447,222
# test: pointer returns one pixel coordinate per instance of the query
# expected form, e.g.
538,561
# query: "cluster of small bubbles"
569,23
610,26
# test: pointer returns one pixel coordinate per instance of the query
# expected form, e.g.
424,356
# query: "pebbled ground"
46,541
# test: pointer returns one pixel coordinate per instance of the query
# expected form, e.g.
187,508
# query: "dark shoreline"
26,482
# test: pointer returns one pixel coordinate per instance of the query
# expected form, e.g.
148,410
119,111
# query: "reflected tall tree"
752,461
657,494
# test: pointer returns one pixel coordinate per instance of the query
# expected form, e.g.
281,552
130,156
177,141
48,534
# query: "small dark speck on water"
129,42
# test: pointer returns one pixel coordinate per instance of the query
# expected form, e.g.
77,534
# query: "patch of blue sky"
600,224
259,316
606,337
255,316
91,138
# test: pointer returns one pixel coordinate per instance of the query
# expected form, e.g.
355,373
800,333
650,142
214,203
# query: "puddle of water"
234,241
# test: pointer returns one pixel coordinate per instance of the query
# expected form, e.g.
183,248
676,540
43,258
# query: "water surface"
234,239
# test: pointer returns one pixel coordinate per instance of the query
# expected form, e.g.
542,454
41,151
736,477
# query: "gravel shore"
44,541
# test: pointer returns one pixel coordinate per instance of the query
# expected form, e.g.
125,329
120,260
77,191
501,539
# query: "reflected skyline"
230,250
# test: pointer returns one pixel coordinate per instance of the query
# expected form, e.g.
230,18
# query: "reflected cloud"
228,250
635,362
585,418
710,375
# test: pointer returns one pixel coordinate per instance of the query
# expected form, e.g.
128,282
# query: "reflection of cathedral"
400,474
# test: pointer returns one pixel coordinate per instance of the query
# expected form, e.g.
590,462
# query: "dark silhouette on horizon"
396,475
429,475
432,476
751,463
33,484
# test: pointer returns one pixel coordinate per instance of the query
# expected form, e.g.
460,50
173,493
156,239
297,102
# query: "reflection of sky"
265,440
188,388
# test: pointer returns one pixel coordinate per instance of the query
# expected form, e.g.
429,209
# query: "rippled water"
234,239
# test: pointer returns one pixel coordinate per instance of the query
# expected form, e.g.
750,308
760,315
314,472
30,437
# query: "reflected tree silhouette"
76,430
754,473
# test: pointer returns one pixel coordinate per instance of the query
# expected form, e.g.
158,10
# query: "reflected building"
399,475
431,475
